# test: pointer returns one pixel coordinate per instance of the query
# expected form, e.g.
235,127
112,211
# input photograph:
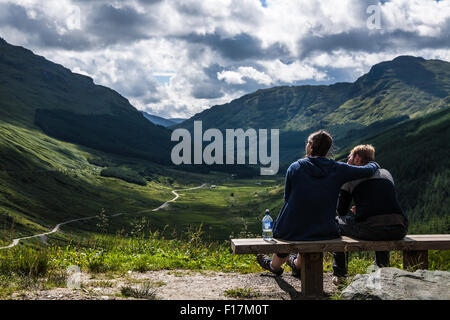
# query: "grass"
241,293
24,268
19,283
110,257
150,252
145,291
232,207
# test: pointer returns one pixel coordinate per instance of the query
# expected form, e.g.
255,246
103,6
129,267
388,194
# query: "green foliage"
439,260
242,293
100,162
129,135
24,262
107,253
103,221
125,174
145,291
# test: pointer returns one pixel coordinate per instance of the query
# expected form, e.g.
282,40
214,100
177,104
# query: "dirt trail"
56,228
165,204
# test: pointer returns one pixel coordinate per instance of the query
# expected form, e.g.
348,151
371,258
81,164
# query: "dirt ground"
181,285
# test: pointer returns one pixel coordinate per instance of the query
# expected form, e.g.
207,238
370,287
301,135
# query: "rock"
396,284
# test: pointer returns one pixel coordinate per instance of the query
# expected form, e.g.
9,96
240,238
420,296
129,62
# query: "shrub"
145,291
25,262
125,174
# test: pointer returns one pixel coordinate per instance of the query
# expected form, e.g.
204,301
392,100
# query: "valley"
87,180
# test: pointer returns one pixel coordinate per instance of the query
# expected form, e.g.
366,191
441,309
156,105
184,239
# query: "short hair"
321,142
365,151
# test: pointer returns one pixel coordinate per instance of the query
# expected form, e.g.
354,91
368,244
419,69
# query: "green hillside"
44,181
391,92
35,92
44,177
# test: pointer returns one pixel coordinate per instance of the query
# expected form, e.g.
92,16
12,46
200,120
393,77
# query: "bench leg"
414,260
312,273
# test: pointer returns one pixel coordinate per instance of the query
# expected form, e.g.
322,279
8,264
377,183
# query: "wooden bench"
415,253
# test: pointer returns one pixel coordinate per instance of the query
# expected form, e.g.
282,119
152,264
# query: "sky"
177,58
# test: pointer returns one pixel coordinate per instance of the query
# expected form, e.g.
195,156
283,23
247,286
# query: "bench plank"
344,244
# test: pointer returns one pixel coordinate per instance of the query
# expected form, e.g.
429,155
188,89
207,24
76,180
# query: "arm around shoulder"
350,172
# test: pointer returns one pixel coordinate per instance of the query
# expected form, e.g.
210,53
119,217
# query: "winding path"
165,204
56,228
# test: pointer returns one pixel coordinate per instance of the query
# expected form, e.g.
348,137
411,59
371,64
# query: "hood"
318,167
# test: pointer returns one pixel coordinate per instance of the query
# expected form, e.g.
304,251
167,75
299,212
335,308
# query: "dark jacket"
311,193
373,197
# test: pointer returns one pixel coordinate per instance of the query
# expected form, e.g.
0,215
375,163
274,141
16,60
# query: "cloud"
292,72
118,24
177,58
237,77
238,47
42,30
361,40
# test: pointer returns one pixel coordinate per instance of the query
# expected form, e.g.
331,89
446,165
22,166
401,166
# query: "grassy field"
44,181
232,206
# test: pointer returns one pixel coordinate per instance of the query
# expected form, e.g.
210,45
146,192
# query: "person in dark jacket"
377,215
311,192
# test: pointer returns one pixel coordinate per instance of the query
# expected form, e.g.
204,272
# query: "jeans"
365,231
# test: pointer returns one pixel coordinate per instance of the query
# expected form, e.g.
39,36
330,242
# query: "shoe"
338,281
265,263
291,263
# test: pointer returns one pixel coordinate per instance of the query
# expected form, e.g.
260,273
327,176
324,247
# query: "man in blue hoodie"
311,192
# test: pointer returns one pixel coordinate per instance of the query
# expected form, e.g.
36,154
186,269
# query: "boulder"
396,284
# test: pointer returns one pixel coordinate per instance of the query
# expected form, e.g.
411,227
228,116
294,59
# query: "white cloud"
292,72
237,77
241,46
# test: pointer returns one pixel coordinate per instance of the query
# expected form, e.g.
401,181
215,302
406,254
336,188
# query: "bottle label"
267,225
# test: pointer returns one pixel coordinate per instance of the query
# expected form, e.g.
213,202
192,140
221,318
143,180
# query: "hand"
353,210
376,163
350,160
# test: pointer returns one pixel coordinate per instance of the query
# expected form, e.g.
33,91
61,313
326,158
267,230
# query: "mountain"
177,120
162,121
391,92
35,92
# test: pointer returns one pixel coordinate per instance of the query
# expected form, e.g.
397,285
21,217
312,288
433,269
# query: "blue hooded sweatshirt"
310,197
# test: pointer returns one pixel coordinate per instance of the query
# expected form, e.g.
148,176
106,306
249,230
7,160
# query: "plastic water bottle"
267,224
